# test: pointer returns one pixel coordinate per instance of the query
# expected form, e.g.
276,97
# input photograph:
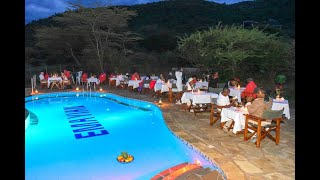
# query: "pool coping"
190,145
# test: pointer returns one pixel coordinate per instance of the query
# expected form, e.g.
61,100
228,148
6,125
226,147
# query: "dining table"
279,104
52,79
234,91
237,115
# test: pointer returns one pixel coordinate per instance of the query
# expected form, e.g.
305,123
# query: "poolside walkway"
238,159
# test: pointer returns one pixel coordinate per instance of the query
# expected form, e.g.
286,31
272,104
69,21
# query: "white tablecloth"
201,85
118,79
235,114
95,80
134,83
154,77
162,87
198,98
50,79
278,105
236,92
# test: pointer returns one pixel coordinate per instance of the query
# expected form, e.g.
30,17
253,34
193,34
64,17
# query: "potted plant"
279,80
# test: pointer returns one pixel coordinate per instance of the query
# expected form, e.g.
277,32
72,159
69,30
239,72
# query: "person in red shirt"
249,91
102,77
84,78
46,76
135,76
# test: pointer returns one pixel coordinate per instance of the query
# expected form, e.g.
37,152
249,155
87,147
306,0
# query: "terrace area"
237,158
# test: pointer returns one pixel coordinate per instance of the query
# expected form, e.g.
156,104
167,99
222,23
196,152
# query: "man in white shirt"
223,98
179,80
41,77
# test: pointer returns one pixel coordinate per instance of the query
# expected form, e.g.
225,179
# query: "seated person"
42,78
112,75
102,77
231,83
223,98
249,91
258,105
46,76
191,83
135,76
127,76
67,73
84,77
147,81
65,80
162,78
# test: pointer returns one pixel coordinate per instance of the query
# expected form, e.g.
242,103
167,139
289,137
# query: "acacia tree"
231,49
103,28
61,41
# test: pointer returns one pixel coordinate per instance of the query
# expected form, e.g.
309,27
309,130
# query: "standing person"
179,84
178,75
213,80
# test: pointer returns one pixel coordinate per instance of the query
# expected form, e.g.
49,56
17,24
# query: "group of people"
255,107
65,78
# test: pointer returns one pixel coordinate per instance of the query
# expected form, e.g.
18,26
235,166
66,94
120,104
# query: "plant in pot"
279,80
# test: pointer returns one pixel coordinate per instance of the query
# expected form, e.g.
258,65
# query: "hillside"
185,16
163,22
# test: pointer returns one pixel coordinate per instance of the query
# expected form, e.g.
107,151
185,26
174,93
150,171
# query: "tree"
234,49
103,30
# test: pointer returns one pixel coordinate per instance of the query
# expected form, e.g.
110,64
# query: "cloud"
37,9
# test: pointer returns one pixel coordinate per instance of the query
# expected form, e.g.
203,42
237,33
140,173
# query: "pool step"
181,171
33,118
168,171
174,172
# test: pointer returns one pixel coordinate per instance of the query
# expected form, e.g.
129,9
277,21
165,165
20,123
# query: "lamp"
197,162
36,91
100,89
160,102
77,88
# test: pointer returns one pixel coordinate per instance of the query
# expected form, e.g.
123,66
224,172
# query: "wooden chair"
112,83
215,113
174,94
270,121
65,83
55,83
43,83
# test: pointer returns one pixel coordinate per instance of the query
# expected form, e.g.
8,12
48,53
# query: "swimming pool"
79,136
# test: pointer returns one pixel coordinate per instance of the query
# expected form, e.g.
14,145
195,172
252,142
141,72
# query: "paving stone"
240,157
278,176
256,177
248,167
264,164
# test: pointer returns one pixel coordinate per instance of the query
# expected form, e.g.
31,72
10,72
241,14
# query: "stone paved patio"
237,158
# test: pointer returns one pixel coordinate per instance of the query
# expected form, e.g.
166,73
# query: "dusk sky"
37,9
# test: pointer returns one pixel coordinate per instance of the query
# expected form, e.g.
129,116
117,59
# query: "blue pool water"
80,137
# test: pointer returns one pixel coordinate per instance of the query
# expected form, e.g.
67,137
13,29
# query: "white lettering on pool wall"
82,122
